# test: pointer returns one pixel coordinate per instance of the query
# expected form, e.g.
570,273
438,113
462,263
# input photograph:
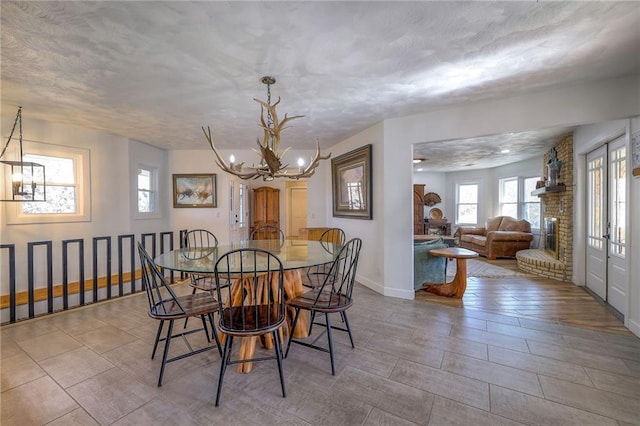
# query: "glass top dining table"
294,254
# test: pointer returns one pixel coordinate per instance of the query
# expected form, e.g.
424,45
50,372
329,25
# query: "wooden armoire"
266,207
418,209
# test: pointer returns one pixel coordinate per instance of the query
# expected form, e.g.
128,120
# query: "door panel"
617,277
607,269
596,274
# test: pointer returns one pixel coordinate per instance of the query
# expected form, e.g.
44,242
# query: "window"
509,197
61,186
66,178
531,203
146,190
467,205
516,199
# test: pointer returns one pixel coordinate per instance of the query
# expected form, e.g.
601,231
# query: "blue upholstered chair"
428,268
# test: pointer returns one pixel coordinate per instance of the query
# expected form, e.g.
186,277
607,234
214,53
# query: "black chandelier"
22,175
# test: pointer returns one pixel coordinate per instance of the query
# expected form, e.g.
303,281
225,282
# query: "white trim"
82,163
155,185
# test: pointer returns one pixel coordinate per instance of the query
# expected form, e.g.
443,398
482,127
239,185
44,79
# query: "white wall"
111,159
214,219
143,155
586,139
372,257
581,104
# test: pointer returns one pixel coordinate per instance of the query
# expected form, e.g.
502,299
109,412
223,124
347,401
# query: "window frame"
501,193
154,185
458,203
82,181
521,202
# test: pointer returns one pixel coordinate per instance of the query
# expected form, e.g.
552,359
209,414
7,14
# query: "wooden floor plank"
535,298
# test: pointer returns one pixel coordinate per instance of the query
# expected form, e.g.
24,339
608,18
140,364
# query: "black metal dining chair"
333,296
267,232
200,241
164,305
315,275
250,291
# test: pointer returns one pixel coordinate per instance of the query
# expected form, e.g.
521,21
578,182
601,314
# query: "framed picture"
194,190
635,154
351,184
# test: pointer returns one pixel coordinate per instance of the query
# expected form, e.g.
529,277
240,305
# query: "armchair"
427,268
502,236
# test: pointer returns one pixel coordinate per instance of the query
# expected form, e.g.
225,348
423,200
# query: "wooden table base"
292,288
457,287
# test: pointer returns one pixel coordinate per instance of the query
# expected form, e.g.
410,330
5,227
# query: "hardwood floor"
536,298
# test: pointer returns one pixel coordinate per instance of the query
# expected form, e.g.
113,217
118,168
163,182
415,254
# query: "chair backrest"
162,299
341,276
333,235
267,232
199,238
250,290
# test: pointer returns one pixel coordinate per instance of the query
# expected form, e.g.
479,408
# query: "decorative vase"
553,171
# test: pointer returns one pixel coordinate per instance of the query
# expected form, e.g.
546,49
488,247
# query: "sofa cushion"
479,240
511,224
493,223
428,268
467,238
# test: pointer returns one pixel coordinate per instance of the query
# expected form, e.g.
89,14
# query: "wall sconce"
22,174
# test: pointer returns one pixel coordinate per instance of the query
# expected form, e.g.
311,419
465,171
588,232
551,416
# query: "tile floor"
414,363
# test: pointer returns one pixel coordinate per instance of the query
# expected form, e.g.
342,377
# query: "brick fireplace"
554,262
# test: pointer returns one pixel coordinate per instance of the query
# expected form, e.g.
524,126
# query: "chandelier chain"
18,117
269,118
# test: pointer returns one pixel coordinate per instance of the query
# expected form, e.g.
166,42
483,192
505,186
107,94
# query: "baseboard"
634,327
385,291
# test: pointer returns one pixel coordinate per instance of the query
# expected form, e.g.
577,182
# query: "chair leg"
206,329
346,323
155,344
223,365
293,327
313,318
167,342
330,338
278,345
214,331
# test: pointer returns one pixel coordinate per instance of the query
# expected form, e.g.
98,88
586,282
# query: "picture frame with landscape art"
351,184
194,191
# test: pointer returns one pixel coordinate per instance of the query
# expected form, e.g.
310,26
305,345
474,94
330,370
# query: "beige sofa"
502,236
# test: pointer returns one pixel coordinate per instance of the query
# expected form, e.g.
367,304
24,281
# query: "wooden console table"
457,287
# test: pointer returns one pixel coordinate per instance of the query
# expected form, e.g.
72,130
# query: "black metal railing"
101,258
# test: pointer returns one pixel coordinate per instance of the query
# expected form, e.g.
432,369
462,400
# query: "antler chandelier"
270,165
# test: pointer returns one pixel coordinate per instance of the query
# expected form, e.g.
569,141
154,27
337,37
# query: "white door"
617,264
607,266
596,274
234,235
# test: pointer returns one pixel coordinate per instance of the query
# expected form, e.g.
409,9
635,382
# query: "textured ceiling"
158,71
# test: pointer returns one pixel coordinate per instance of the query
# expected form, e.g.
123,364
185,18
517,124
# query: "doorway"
607,270
296,208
